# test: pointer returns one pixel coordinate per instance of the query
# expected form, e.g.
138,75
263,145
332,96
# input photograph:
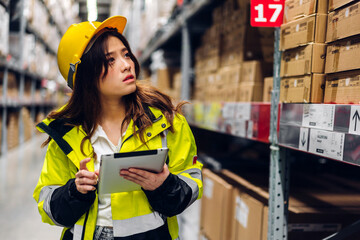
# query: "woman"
109,112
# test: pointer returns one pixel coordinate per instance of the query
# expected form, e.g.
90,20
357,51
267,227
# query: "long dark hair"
83,107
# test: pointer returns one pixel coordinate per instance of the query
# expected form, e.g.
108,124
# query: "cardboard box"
216,215
248,211
343,23
303,60
259,44
164,78
302,89
299,8
343,55
343,88
250,92
229,75
234,39
212,63
252,72
12,85
248,214
13,130
235,73
231,58
303,31
334,4
268,86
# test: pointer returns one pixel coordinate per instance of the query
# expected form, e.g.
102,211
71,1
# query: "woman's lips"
129,77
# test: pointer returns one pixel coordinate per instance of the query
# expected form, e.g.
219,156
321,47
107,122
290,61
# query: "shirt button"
149,134
163,125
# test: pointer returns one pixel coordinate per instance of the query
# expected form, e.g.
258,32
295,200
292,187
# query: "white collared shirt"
102,145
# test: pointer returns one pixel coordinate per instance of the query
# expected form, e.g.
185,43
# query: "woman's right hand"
85,180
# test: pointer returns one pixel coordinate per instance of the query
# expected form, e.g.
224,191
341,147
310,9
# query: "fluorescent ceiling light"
92,10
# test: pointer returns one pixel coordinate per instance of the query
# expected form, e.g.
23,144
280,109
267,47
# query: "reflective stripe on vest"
45,195
194,173
139,224
77,232
163,139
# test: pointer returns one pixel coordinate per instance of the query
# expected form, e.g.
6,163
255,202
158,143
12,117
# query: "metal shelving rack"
16,67
279,144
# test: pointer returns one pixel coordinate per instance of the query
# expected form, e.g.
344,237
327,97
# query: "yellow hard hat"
76,38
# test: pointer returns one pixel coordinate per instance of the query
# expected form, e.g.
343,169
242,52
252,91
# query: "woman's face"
120,79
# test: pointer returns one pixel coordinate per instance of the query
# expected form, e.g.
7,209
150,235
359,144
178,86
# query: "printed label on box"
240,127
327,144
304,139
319,116
354,124
243,111
241,212
228,110
208,187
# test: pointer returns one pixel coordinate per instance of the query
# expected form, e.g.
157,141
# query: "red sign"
267,13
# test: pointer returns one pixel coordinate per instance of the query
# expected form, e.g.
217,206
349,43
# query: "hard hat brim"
117,22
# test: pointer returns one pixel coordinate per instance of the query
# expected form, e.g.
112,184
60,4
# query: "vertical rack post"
22,73
279,166
32,100
4,112
185,62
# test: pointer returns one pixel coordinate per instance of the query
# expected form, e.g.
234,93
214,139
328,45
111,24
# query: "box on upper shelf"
343,88
295,9
302,89
250,92
268,86
343,55
343,23
252,71
303,60
303,31
335,4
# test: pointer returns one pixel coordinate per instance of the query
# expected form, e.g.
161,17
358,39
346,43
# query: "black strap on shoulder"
57,137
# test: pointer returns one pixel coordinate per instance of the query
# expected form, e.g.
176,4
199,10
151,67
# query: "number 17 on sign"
267,13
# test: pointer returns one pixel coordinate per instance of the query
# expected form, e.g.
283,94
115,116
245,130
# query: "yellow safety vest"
131,211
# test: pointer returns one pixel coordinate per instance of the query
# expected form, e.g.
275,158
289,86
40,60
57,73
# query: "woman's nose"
125,65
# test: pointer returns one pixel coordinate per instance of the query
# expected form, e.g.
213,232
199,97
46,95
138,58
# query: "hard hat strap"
72,70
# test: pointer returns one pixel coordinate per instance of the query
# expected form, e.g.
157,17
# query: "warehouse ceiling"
103,7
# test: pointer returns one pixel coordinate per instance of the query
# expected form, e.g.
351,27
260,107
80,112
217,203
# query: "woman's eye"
110,60
127,55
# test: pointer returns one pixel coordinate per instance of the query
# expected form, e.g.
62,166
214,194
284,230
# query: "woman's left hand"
147,180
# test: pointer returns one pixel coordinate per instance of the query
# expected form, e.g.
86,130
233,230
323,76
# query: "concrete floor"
19,173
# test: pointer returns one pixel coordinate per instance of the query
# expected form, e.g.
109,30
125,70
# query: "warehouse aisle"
19,172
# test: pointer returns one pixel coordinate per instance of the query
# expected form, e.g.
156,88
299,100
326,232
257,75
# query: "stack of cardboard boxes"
234,208
28,123
302,41
342,57
13,130
233,57
12,86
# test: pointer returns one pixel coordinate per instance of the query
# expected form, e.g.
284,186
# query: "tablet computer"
110,180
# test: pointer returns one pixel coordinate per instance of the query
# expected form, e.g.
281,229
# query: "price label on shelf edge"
266,13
